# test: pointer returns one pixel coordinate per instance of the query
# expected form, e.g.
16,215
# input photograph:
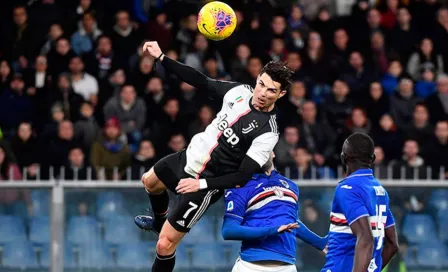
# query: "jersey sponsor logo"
228,193
227,131
252,126
346,187
279,193
230,206
284,183
379,190
181,223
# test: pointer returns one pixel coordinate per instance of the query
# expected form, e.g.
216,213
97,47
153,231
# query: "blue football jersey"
358,195
266,201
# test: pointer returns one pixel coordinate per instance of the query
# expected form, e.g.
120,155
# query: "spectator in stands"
83,83
86,128
314,61
108,89
130,111
110,156
201,50
317,137
286,148
363,31
84,39
440,36
438,102
380,54
294,62
211,69
57,149
5,75
160,29
65,96
10,171
239,63
277,51
77,167
305,169
292,105
389,13
358,76
143,73
425,57
50,130
254,66
337,106
16,106
411,165
390,80
154,97
20,40
54,34
103,59
296,20
436,151
314,219
402,103
420,129
380,169
25,147
388,137
185,37
177,143
403,37
125,38
205,117
143,160
426,86
357,122
60,57
325,25
376,104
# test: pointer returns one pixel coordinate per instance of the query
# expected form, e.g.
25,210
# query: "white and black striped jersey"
238,130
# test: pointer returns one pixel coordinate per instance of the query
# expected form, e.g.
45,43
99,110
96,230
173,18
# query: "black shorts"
190,207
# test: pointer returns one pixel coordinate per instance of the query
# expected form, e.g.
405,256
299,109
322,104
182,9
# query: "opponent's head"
357,152
272,83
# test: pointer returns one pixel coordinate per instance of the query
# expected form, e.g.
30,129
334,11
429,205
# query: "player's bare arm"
364,244
390,245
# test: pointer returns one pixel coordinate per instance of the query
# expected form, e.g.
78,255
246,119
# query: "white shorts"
243,266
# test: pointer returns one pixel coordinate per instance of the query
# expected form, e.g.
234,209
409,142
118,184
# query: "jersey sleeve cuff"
203,184
388,226
354,220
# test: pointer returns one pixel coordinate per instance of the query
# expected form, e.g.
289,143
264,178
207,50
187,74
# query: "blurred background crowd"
79,100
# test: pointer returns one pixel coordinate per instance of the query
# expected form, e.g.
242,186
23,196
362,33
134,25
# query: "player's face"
266,93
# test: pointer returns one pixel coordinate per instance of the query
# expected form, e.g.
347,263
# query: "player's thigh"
169,238
191,207
168,171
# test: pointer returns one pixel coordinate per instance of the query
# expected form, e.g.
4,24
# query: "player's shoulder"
239,92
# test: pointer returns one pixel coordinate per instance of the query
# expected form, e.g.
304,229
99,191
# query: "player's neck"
351,168
268,172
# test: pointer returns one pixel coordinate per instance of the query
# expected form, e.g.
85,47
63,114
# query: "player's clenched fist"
153,49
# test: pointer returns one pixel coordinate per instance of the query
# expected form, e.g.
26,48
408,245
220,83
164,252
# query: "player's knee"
165,246
150,181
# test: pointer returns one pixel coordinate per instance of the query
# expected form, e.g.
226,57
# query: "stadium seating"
40,230
135,255
183,258
419,227
40,202
12,228
95,256
110,204
69,257
19,255
432,255
201,231
82,229
208,256
121,230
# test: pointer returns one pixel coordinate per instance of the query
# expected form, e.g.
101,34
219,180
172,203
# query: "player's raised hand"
153,49
288,227
188,185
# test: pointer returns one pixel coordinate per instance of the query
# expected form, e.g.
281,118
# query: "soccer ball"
216,21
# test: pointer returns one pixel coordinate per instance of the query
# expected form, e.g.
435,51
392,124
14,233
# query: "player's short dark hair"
279,72
360,147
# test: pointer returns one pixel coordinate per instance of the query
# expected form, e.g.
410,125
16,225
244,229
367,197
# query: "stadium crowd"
76,90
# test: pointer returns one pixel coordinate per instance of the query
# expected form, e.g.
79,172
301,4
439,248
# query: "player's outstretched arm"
233,230
188,74
311,238
364,244
390,245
